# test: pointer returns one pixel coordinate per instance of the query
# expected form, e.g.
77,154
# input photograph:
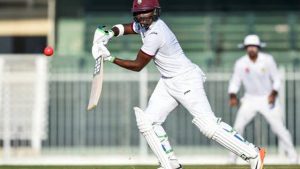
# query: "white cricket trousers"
251,105
186,88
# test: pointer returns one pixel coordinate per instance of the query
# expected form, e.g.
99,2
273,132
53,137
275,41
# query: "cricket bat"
96,84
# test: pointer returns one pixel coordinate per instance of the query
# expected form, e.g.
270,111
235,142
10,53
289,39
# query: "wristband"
121,29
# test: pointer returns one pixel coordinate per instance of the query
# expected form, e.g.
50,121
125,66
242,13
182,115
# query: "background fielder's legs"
245,114
251,105
273,117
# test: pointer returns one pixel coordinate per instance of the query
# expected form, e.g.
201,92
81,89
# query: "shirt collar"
152,25
257,59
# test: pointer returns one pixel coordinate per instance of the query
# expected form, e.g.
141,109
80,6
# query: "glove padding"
100,50
102,35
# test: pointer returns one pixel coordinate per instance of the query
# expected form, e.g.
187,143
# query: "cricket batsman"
181,82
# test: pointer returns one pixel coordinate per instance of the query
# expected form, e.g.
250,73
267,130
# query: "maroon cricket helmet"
144,5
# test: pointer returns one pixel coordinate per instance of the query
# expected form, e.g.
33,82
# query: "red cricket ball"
48,51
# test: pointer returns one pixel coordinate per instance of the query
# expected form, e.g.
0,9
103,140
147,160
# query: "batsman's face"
145,19
252,50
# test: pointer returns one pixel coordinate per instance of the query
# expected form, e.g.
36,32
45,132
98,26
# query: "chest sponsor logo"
186,92
154,33
247,70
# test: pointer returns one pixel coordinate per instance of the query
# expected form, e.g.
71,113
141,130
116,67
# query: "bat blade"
96,84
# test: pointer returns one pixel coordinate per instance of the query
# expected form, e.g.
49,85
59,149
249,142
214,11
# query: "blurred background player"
258,73
181,82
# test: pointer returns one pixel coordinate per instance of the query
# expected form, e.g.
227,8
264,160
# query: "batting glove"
102,35
100,50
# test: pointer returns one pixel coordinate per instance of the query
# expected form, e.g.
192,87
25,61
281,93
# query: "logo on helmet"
144,5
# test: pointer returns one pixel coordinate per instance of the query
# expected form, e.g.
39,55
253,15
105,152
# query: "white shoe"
174,163
258,162
232,159
294,160
180,167
293,157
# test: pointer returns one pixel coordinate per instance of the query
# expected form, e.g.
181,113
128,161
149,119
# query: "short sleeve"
235,81
274,74
152,43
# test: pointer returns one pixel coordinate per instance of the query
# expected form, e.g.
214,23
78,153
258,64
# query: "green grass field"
152,167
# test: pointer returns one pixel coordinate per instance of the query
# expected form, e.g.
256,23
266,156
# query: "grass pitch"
152,167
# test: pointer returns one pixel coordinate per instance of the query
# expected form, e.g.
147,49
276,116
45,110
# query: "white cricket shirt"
160,42
258,78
